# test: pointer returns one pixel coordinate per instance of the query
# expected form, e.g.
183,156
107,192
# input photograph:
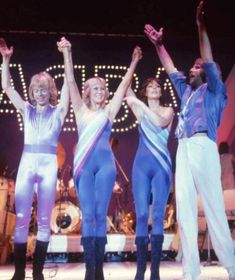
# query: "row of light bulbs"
119,123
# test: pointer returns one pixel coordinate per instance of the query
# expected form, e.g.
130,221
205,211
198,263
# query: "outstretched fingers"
153,35
4,50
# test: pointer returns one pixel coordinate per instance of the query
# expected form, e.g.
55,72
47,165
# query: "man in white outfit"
197,162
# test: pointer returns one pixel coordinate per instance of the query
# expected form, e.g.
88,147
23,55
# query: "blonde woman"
94,166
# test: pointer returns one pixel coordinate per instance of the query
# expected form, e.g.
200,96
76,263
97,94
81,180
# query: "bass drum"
66,218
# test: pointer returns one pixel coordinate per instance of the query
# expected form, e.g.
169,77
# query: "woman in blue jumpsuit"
94,166
37,171
151,173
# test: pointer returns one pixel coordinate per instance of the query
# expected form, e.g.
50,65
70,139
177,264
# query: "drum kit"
66,215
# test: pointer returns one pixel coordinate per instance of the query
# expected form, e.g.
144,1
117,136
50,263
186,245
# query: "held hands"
137,54
63,45
200,14
153,35
4,50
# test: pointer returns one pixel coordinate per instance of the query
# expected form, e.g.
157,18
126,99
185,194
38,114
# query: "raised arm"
162,119
64,97
64,101
133,103
116,102
204,43
65,47
13,95
155,37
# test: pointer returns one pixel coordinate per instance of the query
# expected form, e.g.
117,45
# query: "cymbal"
61,155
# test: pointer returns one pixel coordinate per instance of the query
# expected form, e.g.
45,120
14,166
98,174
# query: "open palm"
4,50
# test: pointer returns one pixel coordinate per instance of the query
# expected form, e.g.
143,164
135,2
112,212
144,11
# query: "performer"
151,173
94,166
197,162
43,120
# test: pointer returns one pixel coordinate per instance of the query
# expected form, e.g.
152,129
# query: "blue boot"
88,244
141,252
156,252
100,243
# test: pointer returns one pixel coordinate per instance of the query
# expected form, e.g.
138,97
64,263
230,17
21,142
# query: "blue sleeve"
213,79
179,81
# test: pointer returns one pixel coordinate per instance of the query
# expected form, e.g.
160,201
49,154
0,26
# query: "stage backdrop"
107,56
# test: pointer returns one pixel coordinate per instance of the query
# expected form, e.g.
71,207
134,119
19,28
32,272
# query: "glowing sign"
113,74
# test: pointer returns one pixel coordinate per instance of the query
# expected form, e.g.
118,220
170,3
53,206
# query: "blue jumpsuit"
38,168
151,173
95,174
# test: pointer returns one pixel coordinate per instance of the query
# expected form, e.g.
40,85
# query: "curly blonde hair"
45,80
87,87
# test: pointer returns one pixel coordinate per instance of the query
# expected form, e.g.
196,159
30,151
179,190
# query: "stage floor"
116,242
114,271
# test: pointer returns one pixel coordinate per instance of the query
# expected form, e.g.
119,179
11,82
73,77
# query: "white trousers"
198,172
